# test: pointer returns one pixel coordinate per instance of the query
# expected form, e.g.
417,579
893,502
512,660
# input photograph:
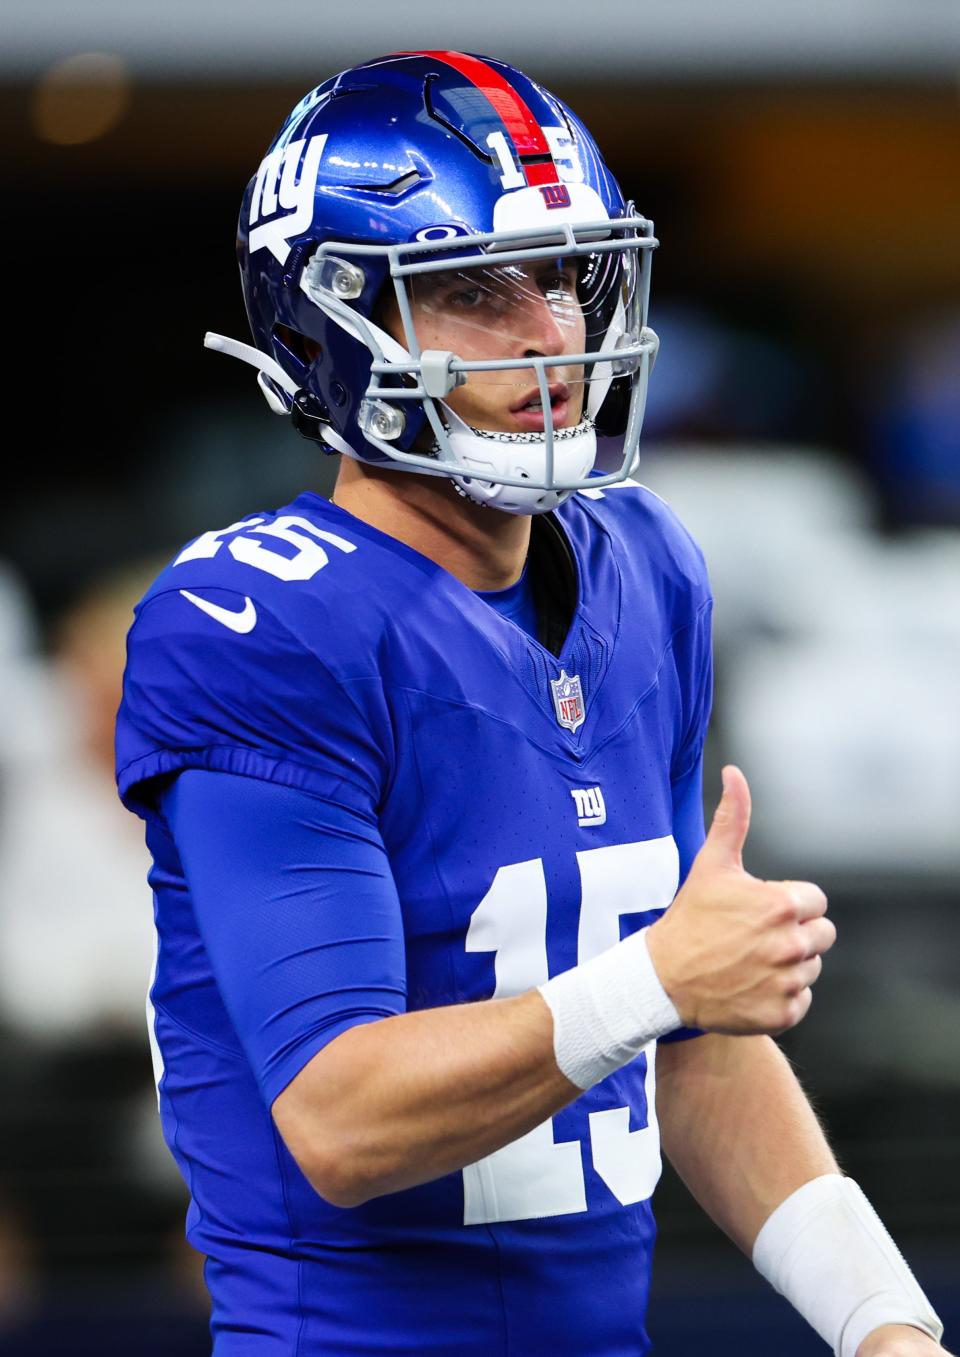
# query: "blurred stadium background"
802,164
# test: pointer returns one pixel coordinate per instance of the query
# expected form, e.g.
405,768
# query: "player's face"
506,311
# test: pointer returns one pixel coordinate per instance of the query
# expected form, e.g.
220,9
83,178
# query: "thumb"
731,821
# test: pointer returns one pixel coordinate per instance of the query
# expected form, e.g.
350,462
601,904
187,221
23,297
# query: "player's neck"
483,548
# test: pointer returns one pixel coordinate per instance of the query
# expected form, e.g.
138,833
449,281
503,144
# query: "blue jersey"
530,808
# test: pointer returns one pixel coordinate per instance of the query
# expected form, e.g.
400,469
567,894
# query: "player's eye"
466,298
558,284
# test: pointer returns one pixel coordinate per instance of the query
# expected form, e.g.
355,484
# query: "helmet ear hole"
292,345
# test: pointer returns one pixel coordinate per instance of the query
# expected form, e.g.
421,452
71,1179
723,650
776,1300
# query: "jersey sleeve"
197,694
689,831
694,658
298,911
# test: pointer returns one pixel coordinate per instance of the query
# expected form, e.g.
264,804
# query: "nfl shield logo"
568,700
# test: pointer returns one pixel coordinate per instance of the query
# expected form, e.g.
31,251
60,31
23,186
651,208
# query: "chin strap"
559,435
265,365
486,495
513,455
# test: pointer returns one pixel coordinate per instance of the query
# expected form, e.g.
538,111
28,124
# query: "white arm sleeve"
827,1251
606,1010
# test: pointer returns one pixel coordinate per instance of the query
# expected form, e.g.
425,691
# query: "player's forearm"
744,1138
738,1128
391,1104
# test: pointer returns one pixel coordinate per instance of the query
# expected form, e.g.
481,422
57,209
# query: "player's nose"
544,332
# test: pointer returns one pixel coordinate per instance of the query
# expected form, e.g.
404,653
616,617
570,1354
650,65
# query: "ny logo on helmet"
555,195
286,181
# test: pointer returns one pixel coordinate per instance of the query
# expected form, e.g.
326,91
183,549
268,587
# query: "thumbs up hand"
737,954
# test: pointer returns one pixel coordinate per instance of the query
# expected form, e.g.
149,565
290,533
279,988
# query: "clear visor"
577,312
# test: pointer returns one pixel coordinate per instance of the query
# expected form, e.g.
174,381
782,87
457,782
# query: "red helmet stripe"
544,172
522,127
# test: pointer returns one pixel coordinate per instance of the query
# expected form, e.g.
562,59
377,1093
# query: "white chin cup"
519,457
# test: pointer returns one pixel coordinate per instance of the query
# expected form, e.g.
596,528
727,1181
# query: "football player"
421,774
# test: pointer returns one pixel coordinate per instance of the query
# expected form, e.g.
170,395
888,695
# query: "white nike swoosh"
243,621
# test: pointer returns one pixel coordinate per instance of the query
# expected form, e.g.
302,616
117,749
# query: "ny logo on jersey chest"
568,700
591,808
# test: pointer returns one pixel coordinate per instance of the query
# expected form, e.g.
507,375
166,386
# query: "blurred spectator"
718,379
838,657
18,1280
75,909
84,1181
915,414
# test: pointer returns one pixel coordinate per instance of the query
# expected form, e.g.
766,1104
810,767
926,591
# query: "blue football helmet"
442,276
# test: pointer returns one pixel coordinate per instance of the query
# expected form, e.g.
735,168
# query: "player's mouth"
528,411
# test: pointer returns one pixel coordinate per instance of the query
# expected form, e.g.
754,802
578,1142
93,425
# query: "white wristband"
827,1251
606,1010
